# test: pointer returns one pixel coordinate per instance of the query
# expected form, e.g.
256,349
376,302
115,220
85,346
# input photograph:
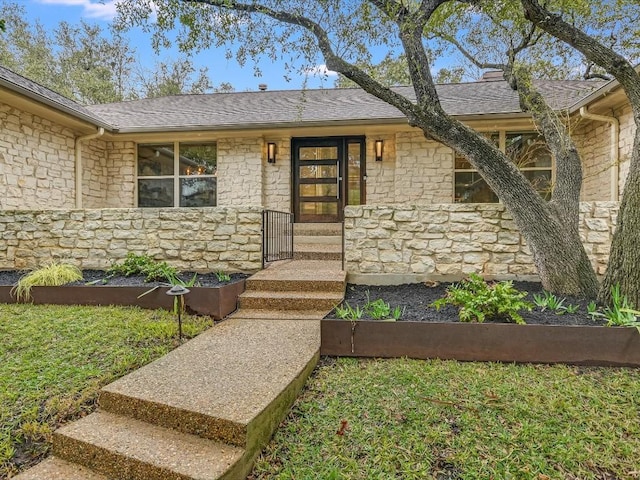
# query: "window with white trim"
177,175
527,150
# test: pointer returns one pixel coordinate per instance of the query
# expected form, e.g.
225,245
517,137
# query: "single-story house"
309,152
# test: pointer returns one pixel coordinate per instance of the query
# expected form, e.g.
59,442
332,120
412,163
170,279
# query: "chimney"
262,87
492,76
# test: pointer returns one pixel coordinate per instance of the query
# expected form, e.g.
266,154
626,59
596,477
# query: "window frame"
502,145
175,176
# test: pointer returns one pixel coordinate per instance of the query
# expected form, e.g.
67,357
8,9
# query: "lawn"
445,420
54,359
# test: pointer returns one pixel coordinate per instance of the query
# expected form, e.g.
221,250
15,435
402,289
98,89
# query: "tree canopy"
88,64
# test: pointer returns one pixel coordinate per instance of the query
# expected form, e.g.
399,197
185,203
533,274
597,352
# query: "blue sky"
51,12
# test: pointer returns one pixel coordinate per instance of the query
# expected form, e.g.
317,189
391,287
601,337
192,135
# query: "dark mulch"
100,278
416,300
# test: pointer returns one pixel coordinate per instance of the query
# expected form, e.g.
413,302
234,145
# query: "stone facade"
36,162
195,239
414,243
240,171
414,170
593,139
276,177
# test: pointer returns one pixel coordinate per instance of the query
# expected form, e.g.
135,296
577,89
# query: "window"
177,174
527,150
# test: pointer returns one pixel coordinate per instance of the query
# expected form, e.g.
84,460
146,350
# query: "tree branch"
591,48
332,60
469,56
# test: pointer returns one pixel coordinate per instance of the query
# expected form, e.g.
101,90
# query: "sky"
51,12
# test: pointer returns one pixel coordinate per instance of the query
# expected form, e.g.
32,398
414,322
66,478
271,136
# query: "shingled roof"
290,108
286,108
35,91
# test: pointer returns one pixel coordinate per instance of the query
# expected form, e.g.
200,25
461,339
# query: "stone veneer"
409,243
36,161
195,239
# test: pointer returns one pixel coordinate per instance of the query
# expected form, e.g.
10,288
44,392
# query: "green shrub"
51,275
152,270
479,301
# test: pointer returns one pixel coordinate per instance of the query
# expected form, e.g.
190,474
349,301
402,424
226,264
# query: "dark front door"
320,167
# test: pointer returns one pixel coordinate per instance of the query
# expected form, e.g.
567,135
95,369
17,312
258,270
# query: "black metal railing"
277,236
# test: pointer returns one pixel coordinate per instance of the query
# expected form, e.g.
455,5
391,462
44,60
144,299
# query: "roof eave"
595,95
328,123
51,103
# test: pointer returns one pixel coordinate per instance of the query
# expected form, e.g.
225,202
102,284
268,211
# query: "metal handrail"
277,236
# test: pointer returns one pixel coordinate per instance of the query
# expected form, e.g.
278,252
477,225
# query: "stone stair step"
54,468
280,314
317,256
298,284
317,248
232,383
289,300
126,449
318,239
317,229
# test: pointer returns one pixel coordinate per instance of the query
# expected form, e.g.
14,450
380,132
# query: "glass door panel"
328,173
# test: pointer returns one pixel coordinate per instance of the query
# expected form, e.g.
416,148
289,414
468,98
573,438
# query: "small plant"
397,312
378,309
222,276
621,312
347,312
51,275
592,310
553,303
479,301
152,270
571,308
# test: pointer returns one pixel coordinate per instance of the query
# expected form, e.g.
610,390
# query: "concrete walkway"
205,410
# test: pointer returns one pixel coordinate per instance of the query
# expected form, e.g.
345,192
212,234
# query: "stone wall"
276,177
240,171
627,135
396,243
36,162
196,239
593,139
121,172
413,170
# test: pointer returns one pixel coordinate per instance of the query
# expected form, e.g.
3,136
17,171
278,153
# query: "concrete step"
318,239
316,256
308,251
233,383
264,314
54,468
269,300
317,229
299,284
125,449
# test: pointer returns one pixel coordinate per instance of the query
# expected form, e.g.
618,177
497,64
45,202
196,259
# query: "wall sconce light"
379,148
271,152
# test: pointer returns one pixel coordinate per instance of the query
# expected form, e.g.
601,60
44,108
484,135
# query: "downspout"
615,153
78,150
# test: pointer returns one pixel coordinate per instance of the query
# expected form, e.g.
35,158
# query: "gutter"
78,161
614,141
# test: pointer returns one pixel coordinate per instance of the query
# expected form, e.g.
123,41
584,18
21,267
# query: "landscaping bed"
424,332
209,295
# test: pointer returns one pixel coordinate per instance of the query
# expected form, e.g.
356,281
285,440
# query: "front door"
320,166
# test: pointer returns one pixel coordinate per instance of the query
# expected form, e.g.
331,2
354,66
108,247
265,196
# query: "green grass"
409,419
53,360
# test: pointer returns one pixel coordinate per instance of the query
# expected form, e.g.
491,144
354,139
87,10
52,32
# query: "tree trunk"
558,253
624,259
